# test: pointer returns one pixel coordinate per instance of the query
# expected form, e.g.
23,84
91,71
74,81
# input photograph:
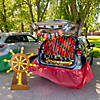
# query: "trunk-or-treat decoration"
59,52
50,35
19,63
49,27
57,61
74,78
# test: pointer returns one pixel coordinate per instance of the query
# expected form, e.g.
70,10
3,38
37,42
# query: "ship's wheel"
19,64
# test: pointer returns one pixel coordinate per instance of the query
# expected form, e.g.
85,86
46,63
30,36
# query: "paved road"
43,89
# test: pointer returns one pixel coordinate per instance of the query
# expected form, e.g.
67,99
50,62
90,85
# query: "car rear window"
17,38
11,39
22,38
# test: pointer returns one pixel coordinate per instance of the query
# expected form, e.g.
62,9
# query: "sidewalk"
43,89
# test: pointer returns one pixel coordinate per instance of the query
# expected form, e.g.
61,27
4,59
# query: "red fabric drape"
74,78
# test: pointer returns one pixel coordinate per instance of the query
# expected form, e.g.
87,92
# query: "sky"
98,19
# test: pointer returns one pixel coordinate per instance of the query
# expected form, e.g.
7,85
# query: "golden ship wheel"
19,64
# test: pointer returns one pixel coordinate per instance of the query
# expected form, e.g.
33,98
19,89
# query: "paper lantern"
60,32
45,36
38,32
52,35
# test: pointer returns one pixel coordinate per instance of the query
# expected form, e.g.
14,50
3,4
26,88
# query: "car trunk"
58,52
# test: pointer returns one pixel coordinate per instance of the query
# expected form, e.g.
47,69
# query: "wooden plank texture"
15,85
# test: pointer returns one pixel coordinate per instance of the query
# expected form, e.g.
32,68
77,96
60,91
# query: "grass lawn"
96,41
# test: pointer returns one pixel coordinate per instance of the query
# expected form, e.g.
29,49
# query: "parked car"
60,49
64,58
16,41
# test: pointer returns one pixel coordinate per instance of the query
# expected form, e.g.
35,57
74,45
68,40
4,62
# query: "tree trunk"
31,29
38,10
86,33
81,22
4,17
22,27
6,28
44,10
67,10
1,30
30,9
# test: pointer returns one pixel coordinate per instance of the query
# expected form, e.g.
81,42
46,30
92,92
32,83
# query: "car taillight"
1,46
79,51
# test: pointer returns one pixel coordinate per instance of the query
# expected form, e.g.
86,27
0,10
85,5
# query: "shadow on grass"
93,39
96,43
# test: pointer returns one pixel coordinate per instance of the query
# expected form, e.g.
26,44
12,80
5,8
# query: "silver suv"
16,41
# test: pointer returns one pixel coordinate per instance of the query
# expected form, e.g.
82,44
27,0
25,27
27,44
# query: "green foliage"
96,41
82,12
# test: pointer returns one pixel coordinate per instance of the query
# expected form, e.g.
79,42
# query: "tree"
29,3
19,14
3,15
41,6
77,11
7,15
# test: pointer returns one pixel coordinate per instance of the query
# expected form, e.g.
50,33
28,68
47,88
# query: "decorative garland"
50,35
60,32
